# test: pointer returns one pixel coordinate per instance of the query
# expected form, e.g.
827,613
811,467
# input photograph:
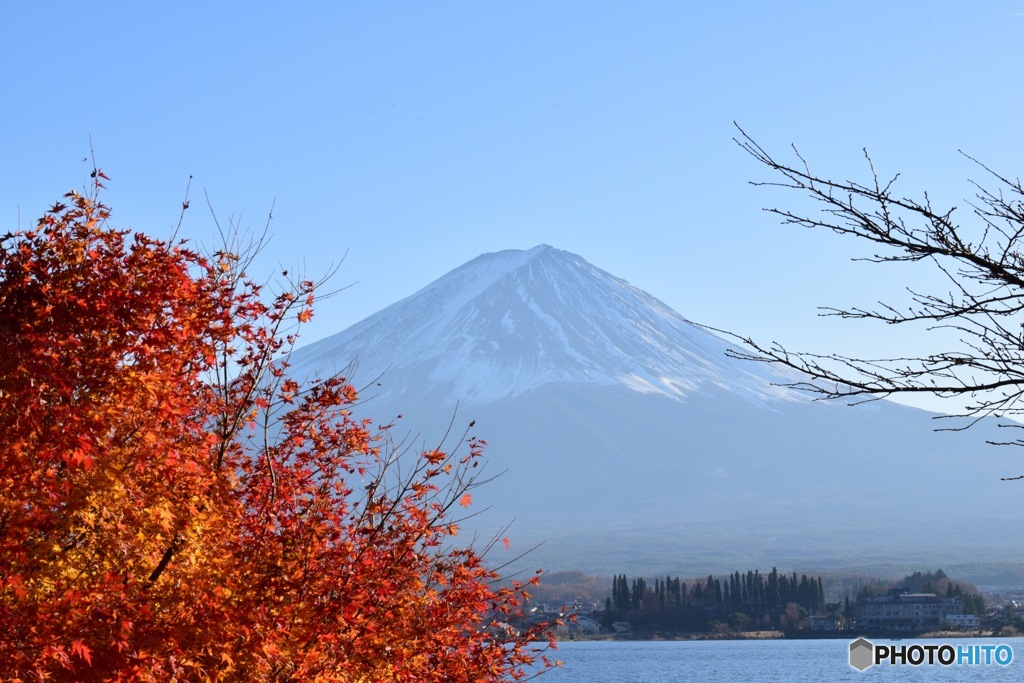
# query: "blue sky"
415,136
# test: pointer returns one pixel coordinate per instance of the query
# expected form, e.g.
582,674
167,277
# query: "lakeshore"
771,635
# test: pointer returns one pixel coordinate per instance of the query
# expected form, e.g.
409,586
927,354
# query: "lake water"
751,661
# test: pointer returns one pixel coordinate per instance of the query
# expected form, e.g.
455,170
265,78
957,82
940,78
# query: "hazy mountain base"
612,480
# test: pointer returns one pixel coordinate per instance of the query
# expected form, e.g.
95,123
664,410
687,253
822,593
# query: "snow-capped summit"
508,322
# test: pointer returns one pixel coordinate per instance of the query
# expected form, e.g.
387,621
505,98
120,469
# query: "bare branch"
982,309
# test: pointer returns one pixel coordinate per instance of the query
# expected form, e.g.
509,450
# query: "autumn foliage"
174,507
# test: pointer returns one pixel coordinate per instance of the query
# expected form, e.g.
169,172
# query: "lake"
745,661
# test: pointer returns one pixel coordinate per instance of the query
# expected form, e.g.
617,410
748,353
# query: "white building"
964,622
581,626
896,611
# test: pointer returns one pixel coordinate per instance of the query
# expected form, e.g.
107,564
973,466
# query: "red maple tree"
174,507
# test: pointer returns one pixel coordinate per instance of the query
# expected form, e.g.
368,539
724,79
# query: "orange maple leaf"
80,649
434,456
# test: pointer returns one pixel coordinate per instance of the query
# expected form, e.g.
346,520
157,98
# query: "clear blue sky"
415,136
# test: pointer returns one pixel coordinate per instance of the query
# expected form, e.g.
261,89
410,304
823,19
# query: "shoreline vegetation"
767,606
774,635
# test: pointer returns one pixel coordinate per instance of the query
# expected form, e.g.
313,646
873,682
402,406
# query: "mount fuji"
630,441
506,323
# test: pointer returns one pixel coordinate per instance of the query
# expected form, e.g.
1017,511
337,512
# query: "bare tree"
983,305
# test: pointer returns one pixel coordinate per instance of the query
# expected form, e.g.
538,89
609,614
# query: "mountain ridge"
524,318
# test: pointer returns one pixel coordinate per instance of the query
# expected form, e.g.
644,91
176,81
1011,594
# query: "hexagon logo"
862,654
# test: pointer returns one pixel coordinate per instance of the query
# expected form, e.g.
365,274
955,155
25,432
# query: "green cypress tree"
773,592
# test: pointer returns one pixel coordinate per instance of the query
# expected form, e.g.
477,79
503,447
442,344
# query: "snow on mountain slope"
508,322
